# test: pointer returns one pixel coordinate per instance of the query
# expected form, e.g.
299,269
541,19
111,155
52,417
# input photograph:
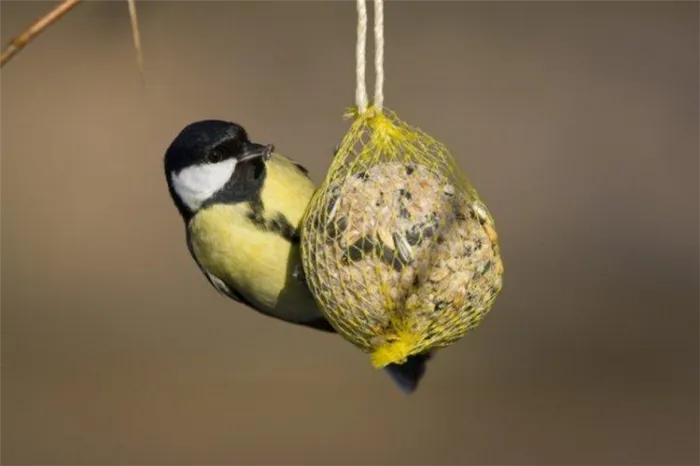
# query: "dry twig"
136,34
19,42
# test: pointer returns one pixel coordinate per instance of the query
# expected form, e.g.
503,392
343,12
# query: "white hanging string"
361,89
379,53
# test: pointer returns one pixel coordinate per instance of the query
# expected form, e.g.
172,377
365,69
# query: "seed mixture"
401,243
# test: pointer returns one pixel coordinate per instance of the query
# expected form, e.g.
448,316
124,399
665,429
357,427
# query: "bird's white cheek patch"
195,184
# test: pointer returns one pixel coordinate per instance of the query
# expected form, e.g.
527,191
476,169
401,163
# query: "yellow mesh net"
398,249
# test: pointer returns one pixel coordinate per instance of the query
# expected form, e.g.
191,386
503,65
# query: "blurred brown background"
578,123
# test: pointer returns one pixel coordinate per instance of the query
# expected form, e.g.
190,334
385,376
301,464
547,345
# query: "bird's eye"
218,154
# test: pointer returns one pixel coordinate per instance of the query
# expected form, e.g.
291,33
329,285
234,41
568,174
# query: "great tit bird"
242,204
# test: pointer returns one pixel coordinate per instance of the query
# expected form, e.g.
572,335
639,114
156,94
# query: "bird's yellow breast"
286,190
259,264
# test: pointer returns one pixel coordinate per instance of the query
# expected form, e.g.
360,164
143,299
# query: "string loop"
361,99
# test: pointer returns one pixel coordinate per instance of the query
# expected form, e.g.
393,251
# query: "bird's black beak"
254,150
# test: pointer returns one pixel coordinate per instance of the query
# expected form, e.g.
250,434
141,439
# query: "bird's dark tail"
408,375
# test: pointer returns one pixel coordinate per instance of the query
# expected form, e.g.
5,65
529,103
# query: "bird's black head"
213,160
